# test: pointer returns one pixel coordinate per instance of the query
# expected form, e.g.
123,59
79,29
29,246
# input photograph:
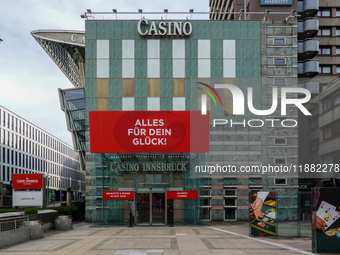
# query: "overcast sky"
29,79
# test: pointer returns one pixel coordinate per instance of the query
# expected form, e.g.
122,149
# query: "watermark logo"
204,97
238,99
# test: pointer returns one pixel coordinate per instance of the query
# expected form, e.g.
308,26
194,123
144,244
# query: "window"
279,41
280,61
326,31
280,181
325,69
336,100
280,161
279,81
338,31
280,141
338,12
314,145
338,69
325,51
327,104
324,13
327,132
314,123
338,50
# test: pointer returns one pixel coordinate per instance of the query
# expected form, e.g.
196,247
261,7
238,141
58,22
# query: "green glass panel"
115,29
102,29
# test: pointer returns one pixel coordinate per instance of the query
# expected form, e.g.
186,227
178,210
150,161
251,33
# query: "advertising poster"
262,220
27,198
325,220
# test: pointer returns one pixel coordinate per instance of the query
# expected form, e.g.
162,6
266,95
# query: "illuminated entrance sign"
118,195
181,194
170,28
149,131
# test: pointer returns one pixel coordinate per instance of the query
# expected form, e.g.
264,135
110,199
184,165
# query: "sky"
29,79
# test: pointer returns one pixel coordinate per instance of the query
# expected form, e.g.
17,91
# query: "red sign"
118,195
149,131
182,194
27,181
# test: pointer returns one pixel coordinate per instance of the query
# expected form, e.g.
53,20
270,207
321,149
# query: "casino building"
134,75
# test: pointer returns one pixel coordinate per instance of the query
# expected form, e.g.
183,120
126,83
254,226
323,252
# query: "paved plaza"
89,239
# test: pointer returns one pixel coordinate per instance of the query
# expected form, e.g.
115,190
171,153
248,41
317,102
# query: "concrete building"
328,35
27,149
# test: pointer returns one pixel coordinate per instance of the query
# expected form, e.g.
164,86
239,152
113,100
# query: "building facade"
141,66
328,35
131,70
27,149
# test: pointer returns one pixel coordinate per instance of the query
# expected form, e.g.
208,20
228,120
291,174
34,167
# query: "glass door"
143,208
158,208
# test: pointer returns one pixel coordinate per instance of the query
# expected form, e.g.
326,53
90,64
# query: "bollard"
171,218
130,219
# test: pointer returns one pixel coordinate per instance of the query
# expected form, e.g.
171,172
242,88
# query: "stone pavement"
89,239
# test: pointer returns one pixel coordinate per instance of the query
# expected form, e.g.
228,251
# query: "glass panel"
154,104
203,49
178,48
153,49
326,31
337,31
204,68
76,104
337,12
74,94
128,68
143,208
326,69
103,49
337,50
326,12
128,48
338,69
178,68
229,70
178,103
279,41
153,88
103,88
229,213
178,88
158,208
279,61
279,80
128,87
229,49
103,70
153,68
229,201
128,104
103,104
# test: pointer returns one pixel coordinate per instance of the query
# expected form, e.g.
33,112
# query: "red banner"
118,195
182,194
27,181
149,131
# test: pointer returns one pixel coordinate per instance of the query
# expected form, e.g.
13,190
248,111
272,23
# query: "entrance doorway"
151,209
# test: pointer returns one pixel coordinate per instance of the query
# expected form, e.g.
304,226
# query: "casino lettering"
148,167
171,28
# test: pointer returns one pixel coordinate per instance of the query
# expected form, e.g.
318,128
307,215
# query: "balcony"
308,68
308,8
308,49
310,28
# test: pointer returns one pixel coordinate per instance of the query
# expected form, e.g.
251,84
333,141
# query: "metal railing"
12,223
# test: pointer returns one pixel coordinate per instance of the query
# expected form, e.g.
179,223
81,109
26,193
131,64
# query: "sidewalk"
89,239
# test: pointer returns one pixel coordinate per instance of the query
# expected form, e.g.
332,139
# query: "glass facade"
128,72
